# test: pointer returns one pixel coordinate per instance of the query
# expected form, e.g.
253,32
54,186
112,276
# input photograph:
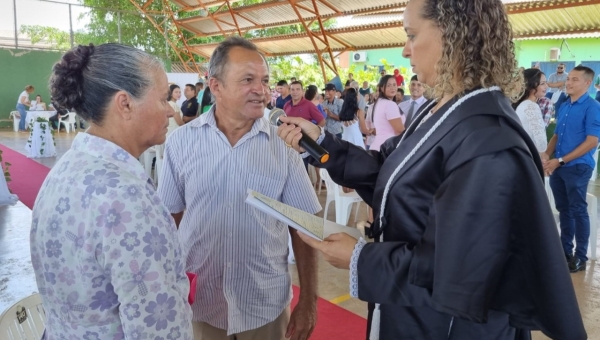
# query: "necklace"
376,320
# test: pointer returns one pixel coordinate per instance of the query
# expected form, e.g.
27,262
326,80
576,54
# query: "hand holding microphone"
299,133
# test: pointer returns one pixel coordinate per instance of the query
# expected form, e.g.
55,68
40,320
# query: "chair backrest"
71,118
332,187
25,320
14,114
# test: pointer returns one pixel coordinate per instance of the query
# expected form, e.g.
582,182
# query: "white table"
41,142
33,115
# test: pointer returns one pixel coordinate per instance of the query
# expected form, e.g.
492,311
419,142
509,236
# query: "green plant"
44,123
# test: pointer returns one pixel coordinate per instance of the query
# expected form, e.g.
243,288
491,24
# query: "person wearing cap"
399,78
332,107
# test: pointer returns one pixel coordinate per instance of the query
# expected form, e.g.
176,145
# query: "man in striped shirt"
238,252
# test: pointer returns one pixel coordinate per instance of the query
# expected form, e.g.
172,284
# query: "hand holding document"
308,224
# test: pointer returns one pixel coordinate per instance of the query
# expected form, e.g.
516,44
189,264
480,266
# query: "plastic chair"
69,122
25,320
158,168
16,116
343,201
146,160
592,209
595,172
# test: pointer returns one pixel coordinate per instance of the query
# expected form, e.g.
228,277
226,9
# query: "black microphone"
307,143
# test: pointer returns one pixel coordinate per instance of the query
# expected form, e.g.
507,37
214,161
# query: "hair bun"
66,83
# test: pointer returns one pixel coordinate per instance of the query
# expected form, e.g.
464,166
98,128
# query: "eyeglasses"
560,68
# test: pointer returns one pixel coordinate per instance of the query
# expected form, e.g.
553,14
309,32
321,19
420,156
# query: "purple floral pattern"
105,251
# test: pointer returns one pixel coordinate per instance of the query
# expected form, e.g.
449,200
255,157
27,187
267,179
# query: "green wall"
19,68
527,51
583,49
393,56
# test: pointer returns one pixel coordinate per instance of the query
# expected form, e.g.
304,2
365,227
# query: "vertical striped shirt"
238,252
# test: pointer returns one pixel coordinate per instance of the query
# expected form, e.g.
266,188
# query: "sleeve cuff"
354,267
319,141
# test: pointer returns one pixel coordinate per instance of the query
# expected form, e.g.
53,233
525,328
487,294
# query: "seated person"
38,104
61,112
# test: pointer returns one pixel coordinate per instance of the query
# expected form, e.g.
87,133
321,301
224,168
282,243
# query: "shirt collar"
109,152
418,100
581,99
300,102
208,118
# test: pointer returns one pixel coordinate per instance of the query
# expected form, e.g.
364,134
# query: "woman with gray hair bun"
105,250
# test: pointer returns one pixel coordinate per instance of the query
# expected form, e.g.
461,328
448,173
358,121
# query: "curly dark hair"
478,48
532,78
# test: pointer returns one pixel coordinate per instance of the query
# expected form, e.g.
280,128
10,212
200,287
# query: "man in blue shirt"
284,91
574,143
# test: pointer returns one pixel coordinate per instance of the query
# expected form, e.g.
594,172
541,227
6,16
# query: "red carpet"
333,322
27,175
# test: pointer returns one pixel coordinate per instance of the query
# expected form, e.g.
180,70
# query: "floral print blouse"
105,250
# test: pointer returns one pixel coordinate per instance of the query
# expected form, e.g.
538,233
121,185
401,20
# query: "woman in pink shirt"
385,115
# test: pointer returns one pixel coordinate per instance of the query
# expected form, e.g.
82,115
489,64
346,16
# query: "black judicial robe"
471,249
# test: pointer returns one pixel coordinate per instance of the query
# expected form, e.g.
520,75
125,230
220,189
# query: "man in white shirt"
409,108
238,252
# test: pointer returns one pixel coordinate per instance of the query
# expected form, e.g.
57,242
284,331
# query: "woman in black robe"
466,244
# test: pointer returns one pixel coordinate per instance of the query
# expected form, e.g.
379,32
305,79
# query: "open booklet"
302,221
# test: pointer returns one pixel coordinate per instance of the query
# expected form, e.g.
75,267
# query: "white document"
311,225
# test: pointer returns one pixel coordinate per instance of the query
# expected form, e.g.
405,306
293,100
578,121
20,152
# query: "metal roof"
386,35
529,19
276,13
373,24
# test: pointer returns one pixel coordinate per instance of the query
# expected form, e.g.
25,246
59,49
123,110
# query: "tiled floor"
16,277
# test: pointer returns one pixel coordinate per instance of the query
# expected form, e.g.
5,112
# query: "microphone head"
275,114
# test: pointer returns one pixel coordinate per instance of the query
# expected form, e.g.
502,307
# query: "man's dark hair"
401,90
200,84
297,82
588,72
191,86
282,83
414,78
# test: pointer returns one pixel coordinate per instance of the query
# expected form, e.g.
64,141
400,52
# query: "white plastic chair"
16,116
595,172
343,201
592,208
157,168
69,122
146,160
25,320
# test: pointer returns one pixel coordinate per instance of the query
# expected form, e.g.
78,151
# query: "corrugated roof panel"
353,5
528,18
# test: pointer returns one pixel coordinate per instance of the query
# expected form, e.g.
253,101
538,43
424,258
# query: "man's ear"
215,87
123,104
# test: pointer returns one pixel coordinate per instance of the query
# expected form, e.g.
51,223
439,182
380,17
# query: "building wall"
393,56
532,51
19,68
527,51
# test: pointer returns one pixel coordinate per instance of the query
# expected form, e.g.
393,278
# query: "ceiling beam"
371,10
528,7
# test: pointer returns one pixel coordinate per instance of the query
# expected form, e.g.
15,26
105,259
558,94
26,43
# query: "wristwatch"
561,161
